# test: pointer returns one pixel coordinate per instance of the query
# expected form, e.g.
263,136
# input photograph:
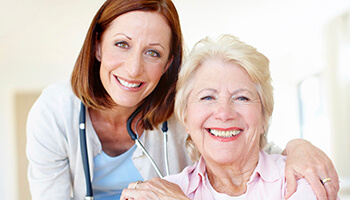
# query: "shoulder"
271,148
270,169
58,97
183,178
275,160
51,120
190,178
278,159
55,111
176,130
304,190
58,91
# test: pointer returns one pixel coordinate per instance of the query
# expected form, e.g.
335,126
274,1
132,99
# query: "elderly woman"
225,101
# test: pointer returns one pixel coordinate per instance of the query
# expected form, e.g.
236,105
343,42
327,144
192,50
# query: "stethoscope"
133,135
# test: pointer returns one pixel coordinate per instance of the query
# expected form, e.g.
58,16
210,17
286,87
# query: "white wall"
40,40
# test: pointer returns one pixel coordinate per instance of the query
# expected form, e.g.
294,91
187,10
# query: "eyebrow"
151,44
206,89
243,90
156,44
123,35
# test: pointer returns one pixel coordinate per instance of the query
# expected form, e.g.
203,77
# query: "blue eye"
206,98
153,53
243,98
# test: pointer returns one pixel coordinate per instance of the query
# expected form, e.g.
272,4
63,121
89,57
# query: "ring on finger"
137,182
325,180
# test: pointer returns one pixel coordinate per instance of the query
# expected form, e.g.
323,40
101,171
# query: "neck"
232,178
110,126
113,115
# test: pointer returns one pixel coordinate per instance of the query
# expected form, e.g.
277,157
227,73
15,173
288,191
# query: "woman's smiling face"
134,54
224,113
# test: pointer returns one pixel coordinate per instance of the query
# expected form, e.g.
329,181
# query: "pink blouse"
267,181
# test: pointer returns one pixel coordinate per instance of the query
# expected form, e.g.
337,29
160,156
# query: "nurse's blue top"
113,174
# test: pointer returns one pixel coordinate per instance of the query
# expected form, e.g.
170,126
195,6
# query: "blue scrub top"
113,174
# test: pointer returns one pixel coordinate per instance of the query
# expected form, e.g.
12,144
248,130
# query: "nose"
225,111
134,64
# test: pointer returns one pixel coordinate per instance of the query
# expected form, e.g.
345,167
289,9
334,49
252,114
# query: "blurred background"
307,42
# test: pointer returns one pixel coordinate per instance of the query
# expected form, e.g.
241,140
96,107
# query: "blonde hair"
227,49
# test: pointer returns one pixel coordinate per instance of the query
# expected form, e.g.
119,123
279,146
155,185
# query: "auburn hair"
85,79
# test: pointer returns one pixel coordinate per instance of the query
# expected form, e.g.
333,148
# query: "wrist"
293,145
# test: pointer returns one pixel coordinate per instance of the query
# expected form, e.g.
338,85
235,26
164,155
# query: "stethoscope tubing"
165,146
84,153
133,136
138,143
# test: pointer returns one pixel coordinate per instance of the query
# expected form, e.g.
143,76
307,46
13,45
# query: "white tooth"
224,133
227,134
131,85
